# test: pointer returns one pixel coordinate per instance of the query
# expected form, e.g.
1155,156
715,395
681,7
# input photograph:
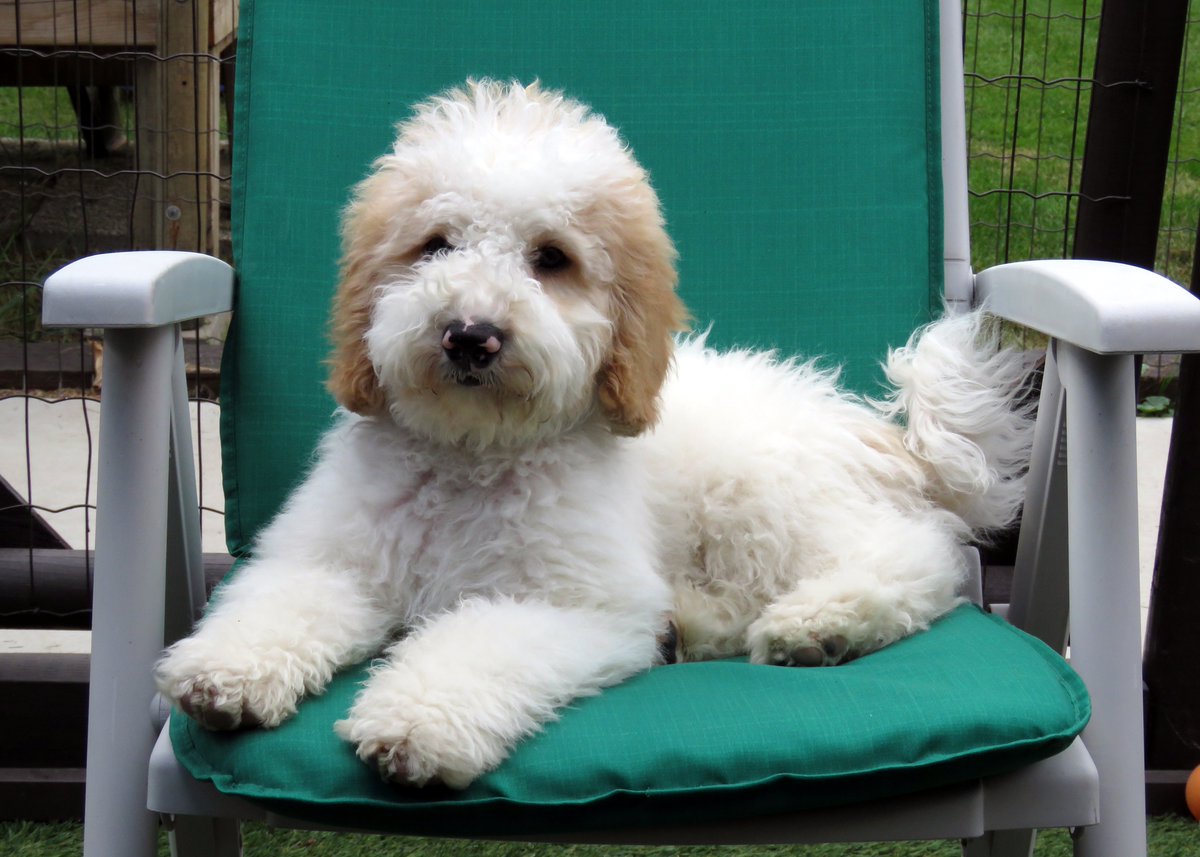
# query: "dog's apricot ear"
352,380
646,315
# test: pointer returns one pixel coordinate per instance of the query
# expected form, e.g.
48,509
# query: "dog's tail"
962,398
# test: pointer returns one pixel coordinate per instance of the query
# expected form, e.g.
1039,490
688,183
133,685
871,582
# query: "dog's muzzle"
471,347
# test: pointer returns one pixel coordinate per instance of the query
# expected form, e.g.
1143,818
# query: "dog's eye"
550,258
436,244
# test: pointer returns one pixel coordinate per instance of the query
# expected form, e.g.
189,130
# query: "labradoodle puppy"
532,482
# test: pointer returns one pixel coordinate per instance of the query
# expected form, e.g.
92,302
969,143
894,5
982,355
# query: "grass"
1027,116
1025,135
37,113
1169,836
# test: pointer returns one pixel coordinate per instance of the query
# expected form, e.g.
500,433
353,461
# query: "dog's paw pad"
399,763
215,710
808,653
391,762
835,648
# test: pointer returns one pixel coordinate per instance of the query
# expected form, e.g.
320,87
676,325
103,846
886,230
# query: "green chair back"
795,147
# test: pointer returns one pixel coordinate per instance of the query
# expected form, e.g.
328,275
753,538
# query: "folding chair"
811,161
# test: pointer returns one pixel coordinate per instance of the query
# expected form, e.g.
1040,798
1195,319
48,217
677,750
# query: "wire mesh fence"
115,134
1181,203
1029,78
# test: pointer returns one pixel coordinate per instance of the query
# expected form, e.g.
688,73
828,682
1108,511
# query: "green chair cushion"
971,697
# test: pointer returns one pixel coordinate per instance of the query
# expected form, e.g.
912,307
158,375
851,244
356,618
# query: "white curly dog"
531,485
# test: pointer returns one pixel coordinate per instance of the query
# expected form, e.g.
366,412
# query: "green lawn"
44,112
1025,134
1169,837
1027,116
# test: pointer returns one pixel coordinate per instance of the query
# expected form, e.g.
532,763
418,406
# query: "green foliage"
1156,406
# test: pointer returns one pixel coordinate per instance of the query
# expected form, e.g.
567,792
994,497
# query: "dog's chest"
445,533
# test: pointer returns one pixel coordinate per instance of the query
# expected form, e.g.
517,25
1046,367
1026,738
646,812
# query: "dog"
538,486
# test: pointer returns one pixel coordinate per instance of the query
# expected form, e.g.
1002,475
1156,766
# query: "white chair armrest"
146,288
1105,307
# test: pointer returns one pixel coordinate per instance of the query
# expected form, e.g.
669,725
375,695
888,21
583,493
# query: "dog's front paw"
216,706
224,690
418,745
785,636
805,652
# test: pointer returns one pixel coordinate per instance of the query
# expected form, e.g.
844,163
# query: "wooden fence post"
1129,130
1172,680
179,132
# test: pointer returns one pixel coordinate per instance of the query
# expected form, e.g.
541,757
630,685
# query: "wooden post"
179,132
1129,130
1173,633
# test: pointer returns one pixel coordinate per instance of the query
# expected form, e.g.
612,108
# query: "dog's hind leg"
894,581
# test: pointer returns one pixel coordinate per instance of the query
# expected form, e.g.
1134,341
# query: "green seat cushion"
971,697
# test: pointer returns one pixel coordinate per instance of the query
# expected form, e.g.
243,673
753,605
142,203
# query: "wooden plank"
90,23
41,794
70,366
45,588
223,29
43,749
43,668
60,68
48,588
1165,792
44,709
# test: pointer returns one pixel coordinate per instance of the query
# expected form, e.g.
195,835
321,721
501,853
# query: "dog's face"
505,275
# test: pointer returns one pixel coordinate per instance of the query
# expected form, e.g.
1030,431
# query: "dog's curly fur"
523,484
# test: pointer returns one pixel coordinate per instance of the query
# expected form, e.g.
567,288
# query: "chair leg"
1106,636
197,836
1001,843
127,598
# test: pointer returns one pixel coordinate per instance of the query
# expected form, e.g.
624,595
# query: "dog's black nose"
472,346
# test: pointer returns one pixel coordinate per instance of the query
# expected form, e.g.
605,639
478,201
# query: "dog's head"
505,274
